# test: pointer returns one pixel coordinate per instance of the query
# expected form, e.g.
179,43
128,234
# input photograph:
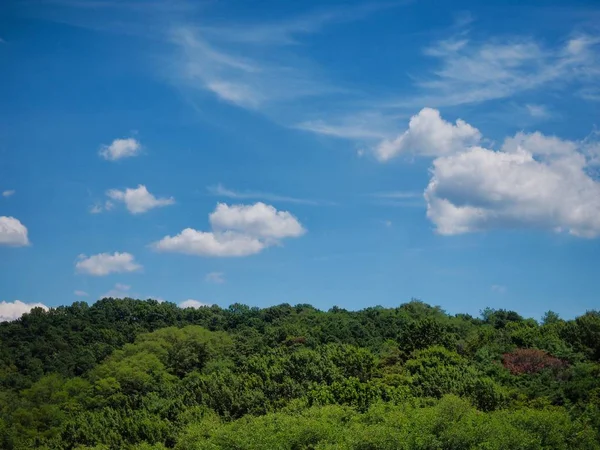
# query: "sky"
333,153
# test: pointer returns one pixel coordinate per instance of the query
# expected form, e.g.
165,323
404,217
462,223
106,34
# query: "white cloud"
232,61
81,294
538,111
240,74
105,263
397,195
221,191
402,199
13,310
120,148
238,230
138,200
590,93
469,71
534,181
98,207
540,145
119,291
429,135
8,193
205,243
238,94
481,189
258,220
190,303
472,72
13,232
498,288
366,125
215,277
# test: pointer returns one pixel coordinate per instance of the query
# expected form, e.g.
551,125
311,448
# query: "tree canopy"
133,374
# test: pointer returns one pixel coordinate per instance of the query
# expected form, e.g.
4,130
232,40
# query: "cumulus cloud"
190,303
532,181
138,200
429,135
8,193
238,230
206,243
13,232
81,294
120,148
215,277
13,310
258,220
106,263
481,189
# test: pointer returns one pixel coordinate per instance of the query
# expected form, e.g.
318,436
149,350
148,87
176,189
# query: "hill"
133,374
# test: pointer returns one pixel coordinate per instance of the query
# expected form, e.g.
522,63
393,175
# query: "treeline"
131,374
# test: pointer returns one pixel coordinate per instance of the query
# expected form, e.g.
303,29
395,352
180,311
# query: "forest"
143,374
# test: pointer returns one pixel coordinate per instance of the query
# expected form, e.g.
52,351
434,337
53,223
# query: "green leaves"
450,423
127,374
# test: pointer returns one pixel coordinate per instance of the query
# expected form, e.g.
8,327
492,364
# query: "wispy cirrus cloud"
221,191
262,66
287,31
240,75
538,111
472,71
357,125
398,199
396,195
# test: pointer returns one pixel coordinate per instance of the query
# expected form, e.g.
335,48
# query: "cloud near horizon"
13,310
191,303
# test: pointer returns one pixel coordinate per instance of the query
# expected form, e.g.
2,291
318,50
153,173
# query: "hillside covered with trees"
132,374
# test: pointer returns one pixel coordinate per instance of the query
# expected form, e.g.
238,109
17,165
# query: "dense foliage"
131,374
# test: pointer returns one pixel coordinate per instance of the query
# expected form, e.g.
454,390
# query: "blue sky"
350,154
